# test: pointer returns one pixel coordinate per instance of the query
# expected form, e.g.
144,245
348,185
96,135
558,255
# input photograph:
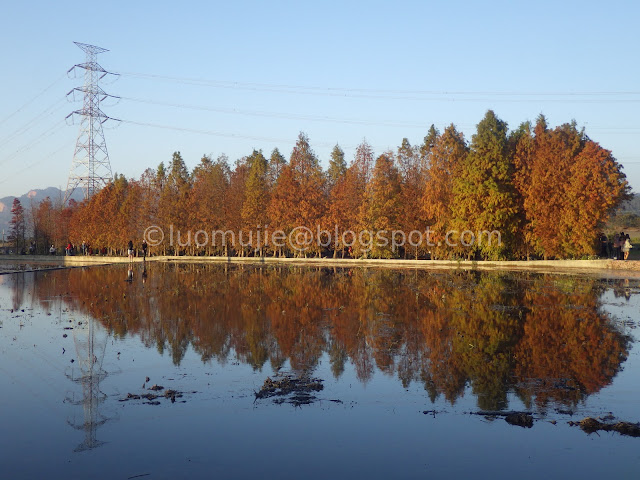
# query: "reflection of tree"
17,285
496,333
489,331
567,342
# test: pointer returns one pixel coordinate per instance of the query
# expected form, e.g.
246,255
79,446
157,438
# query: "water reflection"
90,345
542,337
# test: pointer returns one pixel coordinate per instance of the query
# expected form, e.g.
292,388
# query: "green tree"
337,166
161,176
428,143
484,194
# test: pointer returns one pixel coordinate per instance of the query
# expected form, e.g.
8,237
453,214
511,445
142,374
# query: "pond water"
397,366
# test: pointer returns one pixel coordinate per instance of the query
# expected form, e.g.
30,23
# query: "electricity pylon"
90,168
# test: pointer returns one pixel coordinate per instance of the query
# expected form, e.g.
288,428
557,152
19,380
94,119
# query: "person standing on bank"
144,249
130,249
604,242
626,247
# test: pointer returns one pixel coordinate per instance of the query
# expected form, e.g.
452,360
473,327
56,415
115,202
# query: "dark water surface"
388,346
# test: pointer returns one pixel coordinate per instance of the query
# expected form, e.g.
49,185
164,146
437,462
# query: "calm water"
388,346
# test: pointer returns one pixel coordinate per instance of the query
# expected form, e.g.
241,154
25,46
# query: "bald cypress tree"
574,185
256,198
521,148
412,180
447,155
484,194
18,225
277,161
174,200
298,199
381,209
337,166
335,217
428,143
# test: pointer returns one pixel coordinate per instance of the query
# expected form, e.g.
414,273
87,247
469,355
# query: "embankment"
608,267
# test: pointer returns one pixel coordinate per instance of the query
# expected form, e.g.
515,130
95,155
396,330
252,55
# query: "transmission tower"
90,168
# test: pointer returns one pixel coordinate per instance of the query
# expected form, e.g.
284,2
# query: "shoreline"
606,266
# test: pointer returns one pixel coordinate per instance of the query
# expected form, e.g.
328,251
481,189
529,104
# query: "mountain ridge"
36,196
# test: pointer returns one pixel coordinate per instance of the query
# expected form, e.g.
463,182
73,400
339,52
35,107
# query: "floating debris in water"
152,398
290,388
591,425
520,419
430,412
523,420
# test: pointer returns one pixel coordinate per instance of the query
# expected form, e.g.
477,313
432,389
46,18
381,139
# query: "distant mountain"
631,206
35,196
627,216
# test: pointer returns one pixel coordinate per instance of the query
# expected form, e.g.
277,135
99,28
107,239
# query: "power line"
50,110
41,137
32,99
366,90
320,118
206,132
288,116
36,163
401,94
226,135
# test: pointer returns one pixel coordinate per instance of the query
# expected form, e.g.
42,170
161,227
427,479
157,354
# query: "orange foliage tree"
380,211
574,185
447,153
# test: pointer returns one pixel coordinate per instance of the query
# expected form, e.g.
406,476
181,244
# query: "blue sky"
339,71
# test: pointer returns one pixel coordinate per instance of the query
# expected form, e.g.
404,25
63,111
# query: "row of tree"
548,191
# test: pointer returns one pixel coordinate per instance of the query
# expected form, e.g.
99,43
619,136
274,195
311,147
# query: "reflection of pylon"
91,168
90,354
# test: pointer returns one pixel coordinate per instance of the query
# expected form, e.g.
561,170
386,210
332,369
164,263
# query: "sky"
218,78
